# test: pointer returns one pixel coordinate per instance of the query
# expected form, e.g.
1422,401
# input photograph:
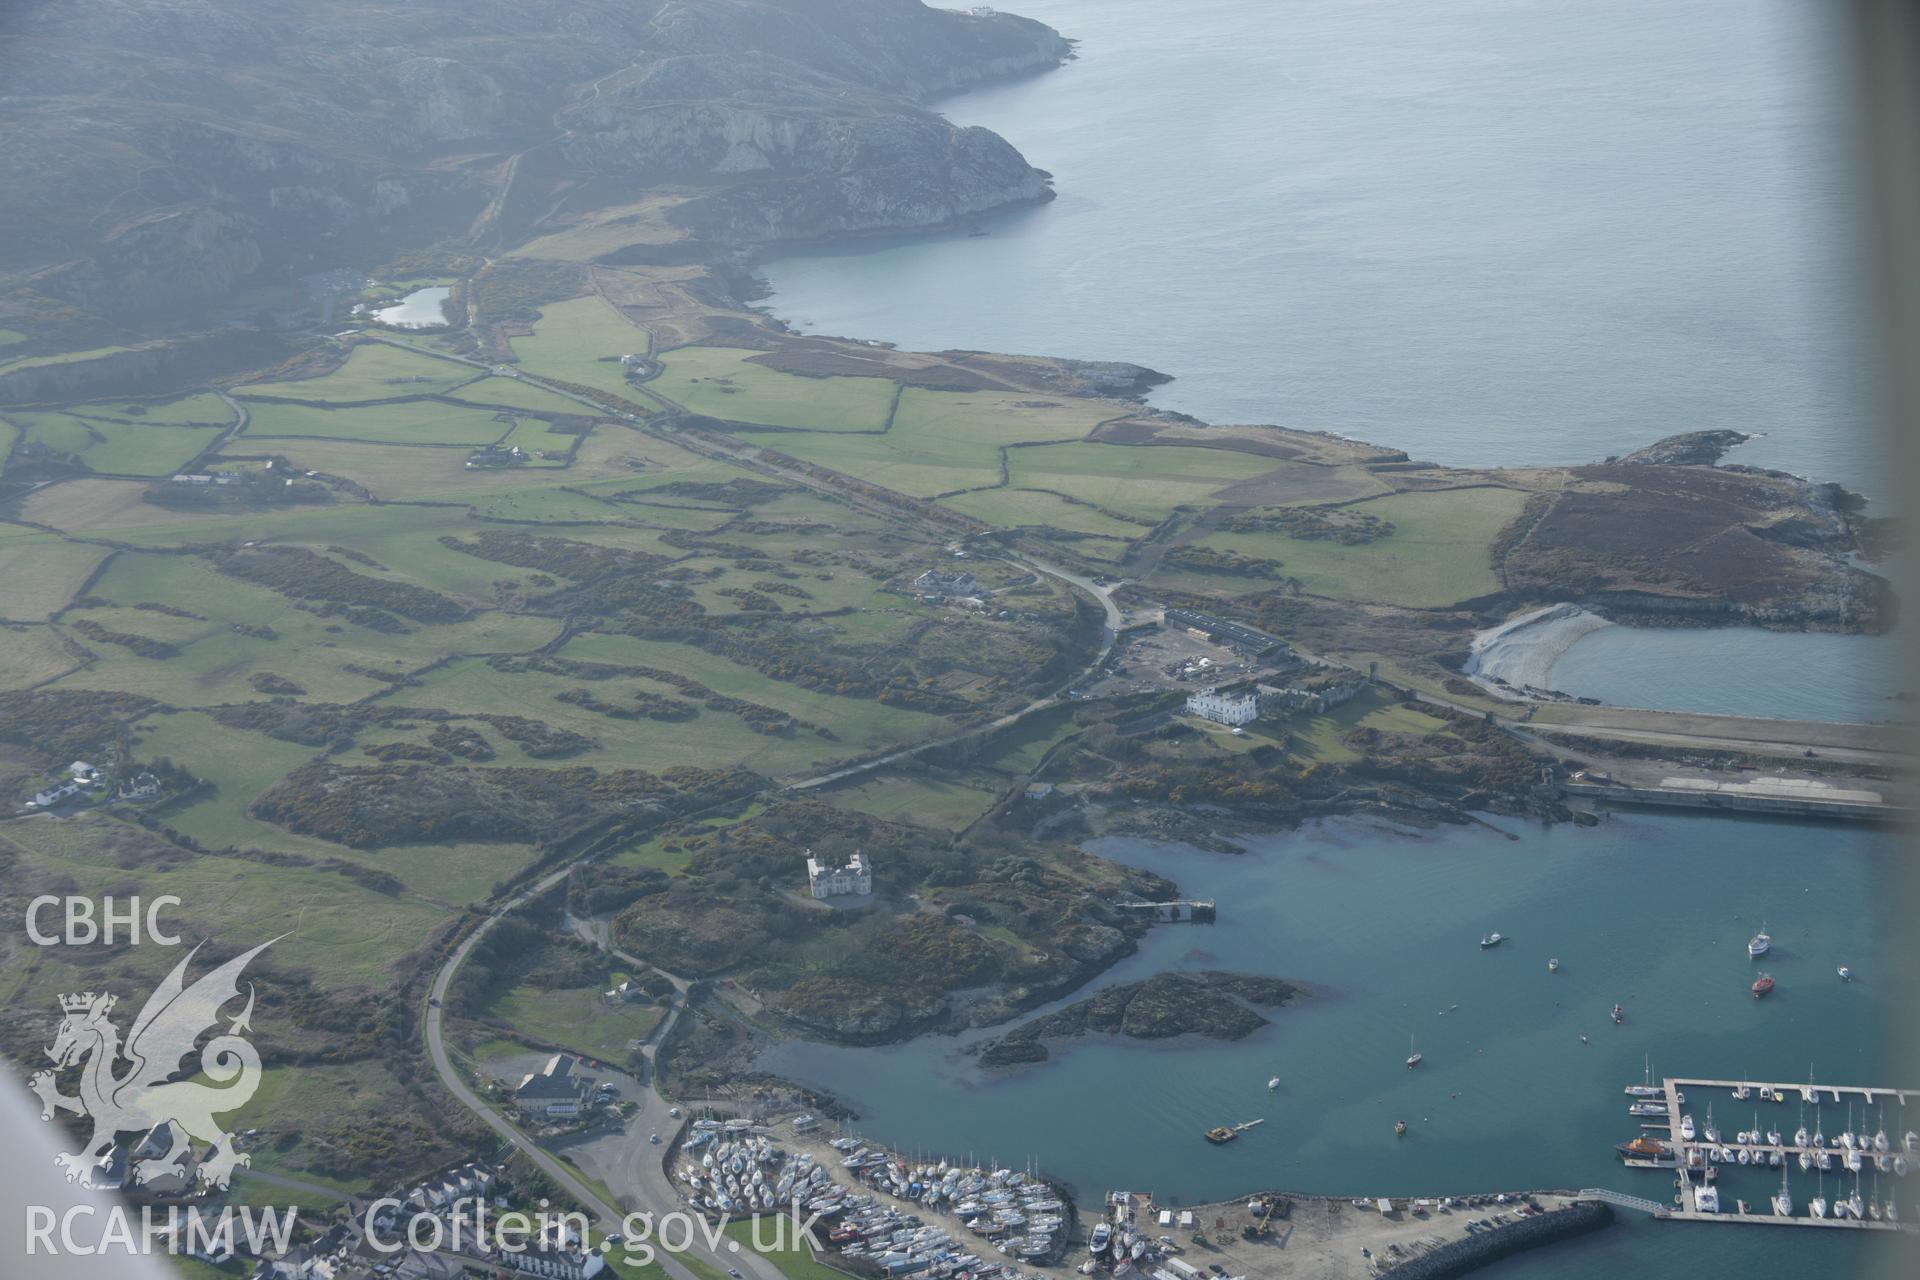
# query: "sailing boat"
1647,1088
1712,1134
1413,1057
1783,1203
1818,1208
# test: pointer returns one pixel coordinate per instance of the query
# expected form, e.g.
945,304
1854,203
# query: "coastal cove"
1382,923
1504,228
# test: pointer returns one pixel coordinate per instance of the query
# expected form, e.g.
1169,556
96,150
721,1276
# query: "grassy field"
515,394
65,357
42,571
241,765
1148,482
795,1260
582,341
1318,737
575,1018
202,410
403,422
718,382
943,441
607,230
928,802
652,852
1437,554
214,662
116,447
342,934
1014,508
30,655
861,724
373,371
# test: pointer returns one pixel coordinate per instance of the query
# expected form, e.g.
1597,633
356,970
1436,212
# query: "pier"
1197,911
1767,1095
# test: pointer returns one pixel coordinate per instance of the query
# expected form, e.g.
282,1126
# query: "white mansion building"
1224,708
829,882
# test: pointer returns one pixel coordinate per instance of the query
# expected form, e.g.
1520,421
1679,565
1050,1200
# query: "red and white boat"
1762,985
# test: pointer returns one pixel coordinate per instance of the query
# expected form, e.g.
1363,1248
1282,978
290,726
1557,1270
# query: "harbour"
1691,1149
1507,1095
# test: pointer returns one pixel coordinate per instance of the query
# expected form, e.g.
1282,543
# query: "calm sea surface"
1650,911
1486,232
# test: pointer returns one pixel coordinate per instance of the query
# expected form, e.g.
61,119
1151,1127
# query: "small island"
1217,1005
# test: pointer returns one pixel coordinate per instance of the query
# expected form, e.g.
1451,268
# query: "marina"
1698,1152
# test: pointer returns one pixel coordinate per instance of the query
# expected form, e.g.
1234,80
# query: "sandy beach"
1521,651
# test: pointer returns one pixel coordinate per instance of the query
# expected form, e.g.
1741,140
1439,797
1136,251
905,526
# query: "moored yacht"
1686,1127
1759,944
1707,1200
1413,1055
1783,1200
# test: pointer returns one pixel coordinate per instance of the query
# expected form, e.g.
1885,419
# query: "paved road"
650,1188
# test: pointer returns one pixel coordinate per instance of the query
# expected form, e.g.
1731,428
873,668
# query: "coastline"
1519,654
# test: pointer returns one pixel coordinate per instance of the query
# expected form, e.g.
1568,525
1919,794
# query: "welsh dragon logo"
144,1094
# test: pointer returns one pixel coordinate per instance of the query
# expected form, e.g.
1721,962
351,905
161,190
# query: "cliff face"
160,152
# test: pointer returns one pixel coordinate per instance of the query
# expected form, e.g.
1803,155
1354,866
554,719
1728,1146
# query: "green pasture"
582,341
373,371
114,447
720,383
575,1018
402,422
1144,481
42,572
512,393
1438,553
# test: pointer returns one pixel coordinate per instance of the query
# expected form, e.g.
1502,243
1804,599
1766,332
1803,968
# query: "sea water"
1383,924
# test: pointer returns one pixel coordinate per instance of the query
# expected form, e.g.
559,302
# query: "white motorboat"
1759,944
1273,1083
1846,974
1686,1128
1491,940
1553,964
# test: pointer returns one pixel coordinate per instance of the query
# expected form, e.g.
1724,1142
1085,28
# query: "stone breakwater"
1462,1256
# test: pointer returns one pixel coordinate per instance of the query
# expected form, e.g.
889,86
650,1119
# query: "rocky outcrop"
1219,1006
1689,449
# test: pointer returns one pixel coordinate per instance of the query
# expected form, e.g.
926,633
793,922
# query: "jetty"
1195,910
1697,1154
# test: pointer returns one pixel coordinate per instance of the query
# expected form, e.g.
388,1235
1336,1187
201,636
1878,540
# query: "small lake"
1652,910
421,309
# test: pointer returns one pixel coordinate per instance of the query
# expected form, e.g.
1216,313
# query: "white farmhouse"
1224,708
828,882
